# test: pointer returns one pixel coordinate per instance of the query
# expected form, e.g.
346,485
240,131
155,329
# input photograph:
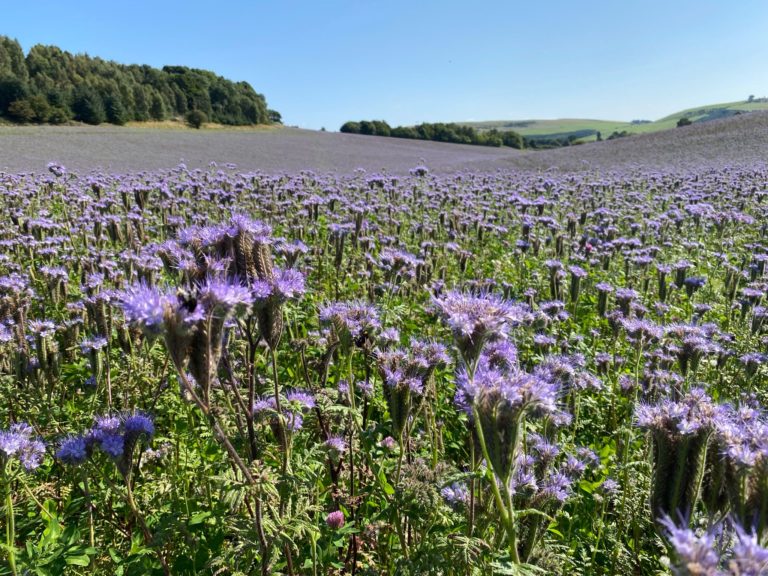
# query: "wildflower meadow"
211,371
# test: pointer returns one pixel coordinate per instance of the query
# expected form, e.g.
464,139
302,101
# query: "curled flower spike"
477,320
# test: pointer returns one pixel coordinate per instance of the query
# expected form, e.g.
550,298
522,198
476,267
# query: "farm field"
585,129
328,354
120,149
115,149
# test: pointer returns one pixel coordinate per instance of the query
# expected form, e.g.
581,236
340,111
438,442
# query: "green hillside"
586,129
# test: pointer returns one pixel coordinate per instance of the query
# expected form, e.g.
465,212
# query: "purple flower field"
737,140
303,353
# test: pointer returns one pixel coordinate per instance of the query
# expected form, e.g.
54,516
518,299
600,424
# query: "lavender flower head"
455,494
356,322
477,320
146,307
224,298
692,413
696,555
285,285
19,441
73,450
500,399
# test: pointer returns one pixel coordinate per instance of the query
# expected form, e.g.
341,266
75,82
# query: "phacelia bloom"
456,494
355,320
694,283
138,424
19,441
224,298
577,271
568,372
336,444
73,450
500,399
116,436
556,486
335,520
690,414
146,307
42,328
609,486
749,558
696,555
285,285
516,390
92,344
477,320
300,399
388,443
642,331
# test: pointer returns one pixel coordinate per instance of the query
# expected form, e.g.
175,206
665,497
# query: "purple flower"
73,450
476,320
456,494
388,443
556,486
138,424
301,399
19,441
283,286
577,271
336,444
224,298
357,319
609,486
694,412
289,284
93,344
146,307
749,558
695,554
335,520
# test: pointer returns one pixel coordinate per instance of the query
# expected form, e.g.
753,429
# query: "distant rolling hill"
585,130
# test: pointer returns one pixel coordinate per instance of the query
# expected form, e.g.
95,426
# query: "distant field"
125,149
732,140
565,126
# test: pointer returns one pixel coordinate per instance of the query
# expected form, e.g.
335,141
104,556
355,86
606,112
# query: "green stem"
10,523
506,515
599,531
89,504
144,528
281,431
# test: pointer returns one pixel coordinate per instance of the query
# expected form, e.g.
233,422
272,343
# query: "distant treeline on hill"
49,85
455,133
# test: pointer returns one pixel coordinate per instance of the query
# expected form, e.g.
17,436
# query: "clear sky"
322,62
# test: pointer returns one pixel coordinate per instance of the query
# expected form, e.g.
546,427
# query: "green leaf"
199,518
78,560
388,489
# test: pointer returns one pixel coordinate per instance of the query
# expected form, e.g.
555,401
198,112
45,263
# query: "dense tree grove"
438,132
54,86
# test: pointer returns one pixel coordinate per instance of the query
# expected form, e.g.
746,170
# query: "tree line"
50,85
437,132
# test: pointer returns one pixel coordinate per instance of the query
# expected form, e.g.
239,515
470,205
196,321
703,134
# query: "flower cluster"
21,442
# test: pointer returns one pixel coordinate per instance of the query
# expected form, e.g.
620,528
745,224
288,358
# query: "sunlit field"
224,371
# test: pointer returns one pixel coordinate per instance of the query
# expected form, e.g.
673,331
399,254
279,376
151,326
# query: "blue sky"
322,62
